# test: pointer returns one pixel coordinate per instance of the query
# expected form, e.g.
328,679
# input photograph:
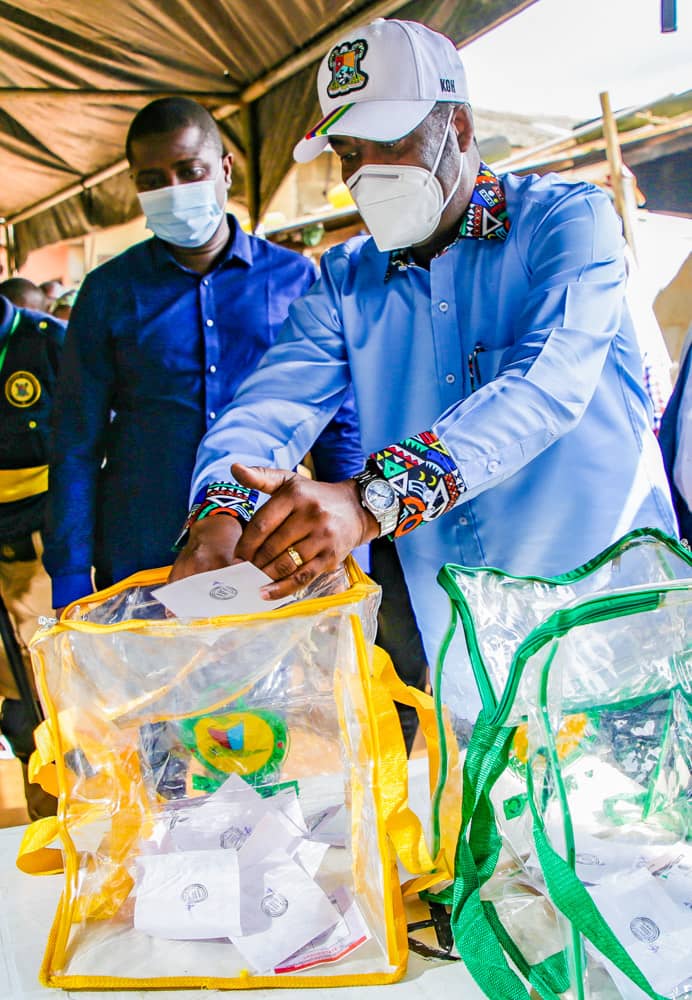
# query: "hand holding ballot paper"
232,590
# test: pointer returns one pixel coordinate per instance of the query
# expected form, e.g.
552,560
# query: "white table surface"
27,908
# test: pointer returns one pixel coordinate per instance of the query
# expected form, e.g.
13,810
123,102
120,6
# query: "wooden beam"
107,96
618,171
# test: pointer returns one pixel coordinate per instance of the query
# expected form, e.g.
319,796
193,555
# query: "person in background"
52,290
158,341
30,346
62,307
25,294
675,439
484,330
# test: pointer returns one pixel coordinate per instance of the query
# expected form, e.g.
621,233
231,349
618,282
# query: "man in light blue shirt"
495,367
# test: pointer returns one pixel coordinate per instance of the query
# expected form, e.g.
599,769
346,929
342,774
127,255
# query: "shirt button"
33,425
205,281
450,378
210,322
493,466
443,307
212,414
212,369
463,520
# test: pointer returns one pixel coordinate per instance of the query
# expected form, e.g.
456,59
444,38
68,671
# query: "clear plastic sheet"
611,779
594,669
137,602
237,746
504,611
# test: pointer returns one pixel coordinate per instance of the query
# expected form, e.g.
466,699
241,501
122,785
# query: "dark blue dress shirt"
153,352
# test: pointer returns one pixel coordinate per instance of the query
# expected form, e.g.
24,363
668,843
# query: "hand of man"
321,522
211,545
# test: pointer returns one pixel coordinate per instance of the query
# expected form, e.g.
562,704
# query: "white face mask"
402,205
186,215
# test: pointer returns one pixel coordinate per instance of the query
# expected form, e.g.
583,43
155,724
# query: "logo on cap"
344,62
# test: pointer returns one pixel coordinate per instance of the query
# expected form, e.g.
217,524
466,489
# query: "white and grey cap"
380,81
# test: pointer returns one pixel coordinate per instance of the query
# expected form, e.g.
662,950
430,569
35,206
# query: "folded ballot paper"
235,865
232,590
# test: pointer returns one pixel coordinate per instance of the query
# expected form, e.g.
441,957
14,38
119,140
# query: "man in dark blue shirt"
158,340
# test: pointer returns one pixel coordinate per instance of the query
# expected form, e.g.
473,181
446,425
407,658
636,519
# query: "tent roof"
73,74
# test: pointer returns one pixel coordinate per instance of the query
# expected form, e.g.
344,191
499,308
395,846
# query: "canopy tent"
73,74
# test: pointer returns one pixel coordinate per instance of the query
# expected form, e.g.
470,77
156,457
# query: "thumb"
257,477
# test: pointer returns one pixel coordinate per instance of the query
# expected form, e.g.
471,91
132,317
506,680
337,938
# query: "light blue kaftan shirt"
552,435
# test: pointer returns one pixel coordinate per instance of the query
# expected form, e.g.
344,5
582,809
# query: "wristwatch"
378,497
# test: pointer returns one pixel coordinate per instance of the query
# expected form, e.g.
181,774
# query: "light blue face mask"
186,215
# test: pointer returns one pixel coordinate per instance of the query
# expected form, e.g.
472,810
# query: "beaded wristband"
219,498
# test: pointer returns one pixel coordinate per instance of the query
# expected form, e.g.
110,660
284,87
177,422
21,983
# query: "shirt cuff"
218,498
71,587
424,476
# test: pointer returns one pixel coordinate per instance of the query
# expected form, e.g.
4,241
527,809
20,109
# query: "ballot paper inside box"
221,811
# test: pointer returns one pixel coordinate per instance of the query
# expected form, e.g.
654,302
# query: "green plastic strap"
480,937
3,350
482,953
569,895
476,857
550,978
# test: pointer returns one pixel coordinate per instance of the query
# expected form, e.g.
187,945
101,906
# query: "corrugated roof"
73,74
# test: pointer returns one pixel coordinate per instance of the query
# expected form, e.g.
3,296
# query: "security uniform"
30,344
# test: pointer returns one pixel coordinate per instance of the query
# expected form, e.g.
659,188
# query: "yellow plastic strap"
450,804
35,857
403,826
18,484
383,668
42,770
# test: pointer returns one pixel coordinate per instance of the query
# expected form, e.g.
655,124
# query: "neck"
450,223
202,259
444,235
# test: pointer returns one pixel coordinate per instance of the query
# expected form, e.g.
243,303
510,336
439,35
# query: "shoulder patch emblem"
344,62
22,389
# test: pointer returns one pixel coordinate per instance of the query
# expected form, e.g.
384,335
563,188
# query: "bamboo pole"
620,175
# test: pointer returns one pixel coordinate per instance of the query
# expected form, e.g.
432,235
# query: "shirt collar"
485,218
8,311
239,247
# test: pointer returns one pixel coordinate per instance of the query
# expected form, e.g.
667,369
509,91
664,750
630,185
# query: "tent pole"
620,175
252,170
10,248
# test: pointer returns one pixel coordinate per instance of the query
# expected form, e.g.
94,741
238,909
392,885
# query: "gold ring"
295,556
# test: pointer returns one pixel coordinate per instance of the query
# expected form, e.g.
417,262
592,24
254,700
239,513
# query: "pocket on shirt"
484,364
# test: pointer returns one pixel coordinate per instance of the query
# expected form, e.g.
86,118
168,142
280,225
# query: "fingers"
296,581
257,545
322,522
269,542
257,477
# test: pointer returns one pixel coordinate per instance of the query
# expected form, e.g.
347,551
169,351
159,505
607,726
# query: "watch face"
380,495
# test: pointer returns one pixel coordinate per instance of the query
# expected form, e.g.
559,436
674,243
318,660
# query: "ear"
227,165
463,123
